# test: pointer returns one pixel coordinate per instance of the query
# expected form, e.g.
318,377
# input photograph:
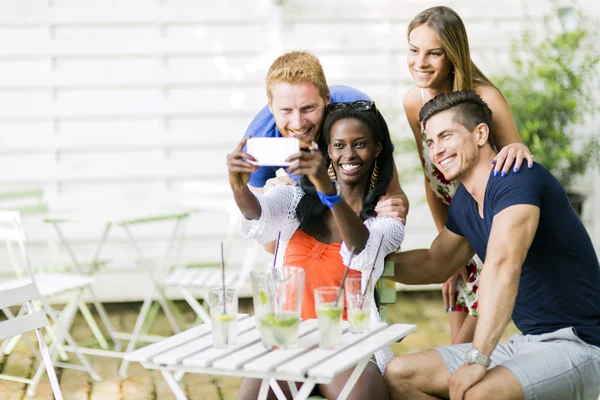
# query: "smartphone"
272,151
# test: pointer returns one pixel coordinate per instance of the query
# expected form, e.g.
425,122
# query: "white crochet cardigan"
278,214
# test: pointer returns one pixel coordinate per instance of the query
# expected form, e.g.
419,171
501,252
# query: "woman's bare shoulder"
489,94
412,99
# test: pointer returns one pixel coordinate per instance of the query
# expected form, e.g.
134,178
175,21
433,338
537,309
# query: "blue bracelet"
329,201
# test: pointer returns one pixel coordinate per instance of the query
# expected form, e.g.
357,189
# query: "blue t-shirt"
263,125
560,279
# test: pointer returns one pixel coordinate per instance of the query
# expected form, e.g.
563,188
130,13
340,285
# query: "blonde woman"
439,61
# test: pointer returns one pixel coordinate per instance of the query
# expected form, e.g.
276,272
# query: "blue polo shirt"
560,278
263,125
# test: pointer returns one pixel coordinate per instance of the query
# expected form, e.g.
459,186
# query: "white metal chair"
31,202
13,234
34,320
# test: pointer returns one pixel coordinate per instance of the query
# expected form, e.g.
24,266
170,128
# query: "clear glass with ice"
223,315
329,304
359,306
277,296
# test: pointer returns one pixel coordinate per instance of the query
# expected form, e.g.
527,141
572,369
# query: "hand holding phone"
272,151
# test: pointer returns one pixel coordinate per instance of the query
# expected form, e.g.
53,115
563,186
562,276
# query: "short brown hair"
468,107
294,67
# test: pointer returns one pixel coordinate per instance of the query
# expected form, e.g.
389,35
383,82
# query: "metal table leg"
175,388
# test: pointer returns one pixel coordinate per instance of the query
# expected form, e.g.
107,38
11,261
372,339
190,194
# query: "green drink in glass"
329,306
279,331
359,305
277,295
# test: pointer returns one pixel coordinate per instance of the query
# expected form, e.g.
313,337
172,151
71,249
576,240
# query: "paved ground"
423,309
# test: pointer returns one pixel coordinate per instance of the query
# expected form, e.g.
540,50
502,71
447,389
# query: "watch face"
472,355
475,357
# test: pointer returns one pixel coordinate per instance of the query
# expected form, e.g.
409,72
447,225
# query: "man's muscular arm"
447,254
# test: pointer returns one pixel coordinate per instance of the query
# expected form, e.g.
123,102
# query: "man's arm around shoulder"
447,254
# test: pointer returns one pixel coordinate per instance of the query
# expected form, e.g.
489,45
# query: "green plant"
550,90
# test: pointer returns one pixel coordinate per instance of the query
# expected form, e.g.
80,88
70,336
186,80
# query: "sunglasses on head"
359,105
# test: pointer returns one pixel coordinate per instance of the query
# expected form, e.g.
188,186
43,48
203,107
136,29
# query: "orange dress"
322,265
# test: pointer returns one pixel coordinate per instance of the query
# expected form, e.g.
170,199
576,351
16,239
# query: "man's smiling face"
298,110
453,148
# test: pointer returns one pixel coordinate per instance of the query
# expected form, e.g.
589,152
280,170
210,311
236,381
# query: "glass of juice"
329,304
277,296
359,306
223,314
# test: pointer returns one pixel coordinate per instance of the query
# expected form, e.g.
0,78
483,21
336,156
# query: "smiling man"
540,268
297,94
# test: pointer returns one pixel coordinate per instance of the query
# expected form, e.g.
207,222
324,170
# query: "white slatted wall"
128,102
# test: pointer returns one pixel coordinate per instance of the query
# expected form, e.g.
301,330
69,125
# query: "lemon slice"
223,318
282,321
358,316
263,297
333,313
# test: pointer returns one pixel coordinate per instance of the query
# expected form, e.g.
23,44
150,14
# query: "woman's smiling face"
427,60
353,150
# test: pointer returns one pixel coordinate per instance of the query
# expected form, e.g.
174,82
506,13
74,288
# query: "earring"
374,176
331,172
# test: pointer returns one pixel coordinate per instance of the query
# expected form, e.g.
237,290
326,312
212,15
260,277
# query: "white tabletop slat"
340,362
271,360
300,365
245,355
148,352
206,358
236,360
177,353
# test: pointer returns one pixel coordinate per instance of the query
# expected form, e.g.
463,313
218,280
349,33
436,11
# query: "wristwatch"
474,356
333,199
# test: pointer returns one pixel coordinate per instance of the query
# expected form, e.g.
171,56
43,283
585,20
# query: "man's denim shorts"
557,365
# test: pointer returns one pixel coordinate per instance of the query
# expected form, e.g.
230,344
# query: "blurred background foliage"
552,87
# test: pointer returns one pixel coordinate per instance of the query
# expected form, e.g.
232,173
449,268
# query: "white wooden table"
192,351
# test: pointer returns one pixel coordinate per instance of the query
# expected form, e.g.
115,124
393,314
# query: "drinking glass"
359,306
223,315
329,304
277,296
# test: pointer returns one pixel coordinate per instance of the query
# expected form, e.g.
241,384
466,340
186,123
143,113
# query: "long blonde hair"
452,34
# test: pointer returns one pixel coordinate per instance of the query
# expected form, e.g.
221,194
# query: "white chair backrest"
11,227
21,323
12,234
